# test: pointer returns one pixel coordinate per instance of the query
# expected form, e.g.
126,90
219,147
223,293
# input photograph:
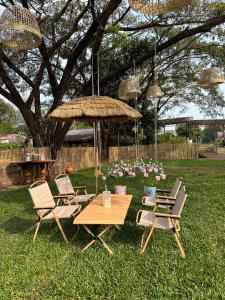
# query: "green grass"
50,269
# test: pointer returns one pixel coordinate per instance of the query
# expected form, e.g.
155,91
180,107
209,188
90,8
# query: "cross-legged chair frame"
152,220
47,209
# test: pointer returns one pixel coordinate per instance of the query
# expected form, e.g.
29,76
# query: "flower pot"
69,169
149,191
121,189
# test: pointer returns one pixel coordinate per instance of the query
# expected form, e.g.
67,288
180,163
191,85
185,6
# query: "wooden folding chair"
46,208
152,220
65,187
162,200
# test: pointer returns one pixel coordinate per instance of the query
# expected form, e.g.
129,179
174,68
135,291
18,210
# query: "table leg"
97,238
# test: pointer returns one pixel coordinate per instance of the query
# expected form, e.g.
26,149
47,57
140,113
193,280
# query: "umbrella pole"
99,147
96,156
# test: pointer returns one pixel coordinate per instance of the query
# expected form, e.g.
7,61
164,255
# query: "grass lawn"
51,269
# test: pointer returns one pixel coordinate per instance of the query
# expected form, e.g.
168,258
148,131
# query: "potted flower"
131,169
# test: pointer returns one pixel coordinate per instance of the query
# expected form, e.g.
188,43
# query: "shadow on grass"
17,225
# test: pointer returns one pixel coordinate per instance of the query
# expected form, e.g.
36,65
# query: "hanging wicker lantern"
154,91
129,88
210,77
122,90
157,6
19,29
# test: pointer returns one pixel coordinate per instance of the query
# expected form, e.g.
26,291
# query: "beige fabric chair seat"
62,212
154,201
81,198
147,218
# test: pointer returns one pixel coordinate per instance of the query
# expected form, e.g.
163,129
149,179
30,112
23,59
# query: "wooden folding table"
96,214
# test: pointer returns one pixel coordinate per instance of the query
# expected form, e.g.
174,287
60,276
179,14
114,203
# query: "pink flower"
130,173
127,169
163,176
120,174
145,174
157,177
150,170
133,174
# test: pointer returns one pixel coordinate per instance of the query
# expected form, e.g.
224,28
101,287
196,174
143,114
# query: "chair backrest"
64,185
175,189
180,201
41,197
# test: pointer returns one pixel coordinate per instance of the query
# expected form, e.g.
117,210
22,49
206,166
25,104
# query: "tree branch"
11,65
69,34
87,39
172,41
122,17
15,96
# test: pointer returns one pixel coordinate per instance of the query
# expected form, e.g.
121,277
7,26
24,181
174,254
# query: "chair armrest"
167,215
44,207
61,196
78,209
138,214
80,187
164,202
166,197
143,200
163,191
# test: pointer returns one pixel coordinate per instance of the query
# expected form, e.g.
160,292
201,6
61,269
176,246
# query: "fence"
83,157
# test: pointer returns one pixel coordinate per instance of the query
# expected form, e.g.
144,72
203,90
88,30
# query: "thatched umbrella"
95,109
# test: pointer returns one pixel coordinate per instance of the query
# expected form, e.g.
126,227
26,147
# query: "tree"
8,114
11,120
189,132
61,67
209,134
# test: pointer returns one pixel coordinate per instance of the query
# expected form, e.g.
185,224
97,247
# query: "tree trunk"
46,133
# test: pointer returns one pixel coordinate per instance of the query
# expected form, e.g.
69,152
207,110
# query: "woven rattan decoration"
19,29
154,91
129,88
210,77
157,6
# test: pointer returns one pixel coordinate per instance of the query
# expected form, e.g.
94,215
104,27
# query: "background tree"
193,133
61,67
209,134
11,121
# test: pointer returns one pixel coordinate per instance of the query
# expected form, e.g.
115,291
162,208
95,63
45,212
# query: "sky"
192,110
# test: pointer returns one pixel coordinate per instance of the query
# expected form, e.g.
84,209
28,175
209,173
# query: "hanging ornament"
19,29
154,91
157,6
129,88
210,77
122,90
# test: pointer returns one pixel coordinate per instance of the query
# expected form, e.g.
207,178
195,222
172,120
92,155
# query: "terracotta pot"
28,173
43,172
69,169
121,189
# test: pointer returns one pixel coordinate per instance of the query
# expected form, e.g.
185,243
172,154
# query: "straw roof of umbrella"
95,108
